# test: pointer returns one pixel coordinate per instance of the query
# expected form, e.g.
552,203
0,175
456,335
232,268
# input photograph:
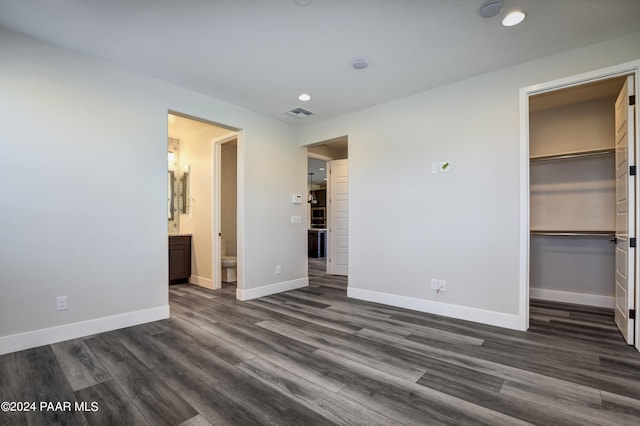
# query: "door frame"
216,239
629,68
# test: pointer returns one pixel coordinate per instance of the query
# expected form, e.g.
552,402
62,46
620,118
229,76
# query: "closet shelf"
573,155
556,233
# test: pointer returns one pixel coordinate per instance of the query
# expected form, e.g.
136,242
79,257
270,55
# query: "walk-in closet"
572,138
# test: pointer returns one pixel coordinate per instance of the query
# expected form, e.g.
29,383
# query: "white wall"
84,149
407,225
196,151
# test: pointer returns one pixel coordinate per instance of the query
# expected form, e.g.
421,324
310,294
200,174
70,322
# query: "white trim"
438,308
46,336
200,281
524,210
570,297
318,156
266,290
591,76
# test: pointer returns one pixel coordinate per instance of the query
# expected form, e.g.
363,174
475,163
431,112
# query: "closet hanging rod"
573,155
574,233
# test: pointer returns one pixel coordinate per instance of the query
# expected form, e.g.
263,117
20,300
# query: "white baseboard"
46,336
499,319
202,282
569,297
266,290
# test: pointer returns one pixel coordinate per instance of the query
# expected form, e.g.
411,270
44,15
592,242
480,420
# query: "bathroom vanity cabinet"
179,258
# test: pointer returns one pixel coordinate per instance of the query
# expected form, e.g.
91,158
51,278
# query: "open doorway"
582,205
226,213
194,242
328,201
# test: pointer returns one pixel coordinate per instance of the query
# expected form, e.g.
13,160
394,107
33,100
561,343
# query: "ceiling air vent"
298,113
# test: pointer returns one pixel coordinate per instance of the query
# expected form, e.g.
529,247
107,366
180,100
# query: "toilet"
229,264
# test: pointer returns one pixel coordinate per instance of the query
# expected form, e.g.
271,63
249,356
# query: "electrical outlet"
278,269
442,286
61,303
434,283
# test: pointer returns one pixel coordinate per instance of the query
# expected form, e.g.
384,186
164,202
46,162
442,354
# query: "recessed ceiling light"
303,2
304,97
491,9
359,63
321,168
513,18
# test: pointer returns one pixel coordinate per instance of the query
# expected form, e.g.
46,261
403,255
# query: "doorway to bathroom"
195,206
226,270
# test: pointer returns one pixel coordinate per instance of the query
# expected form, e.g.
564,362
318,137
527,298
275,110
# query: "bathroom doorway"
226,264
195,164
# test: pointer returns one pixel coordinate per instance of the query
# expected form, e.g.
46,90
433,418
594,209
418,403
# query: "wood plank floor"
313,357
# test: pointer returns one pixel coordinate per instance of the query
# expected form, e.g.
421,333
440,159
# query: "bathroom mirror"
184,193
171,191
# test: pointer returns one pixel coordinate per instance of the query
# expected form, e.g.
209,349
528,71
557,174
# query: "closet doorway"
582,203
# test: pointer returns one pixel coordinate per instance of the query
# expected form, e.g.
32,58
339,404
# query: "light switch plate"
296,220
434,167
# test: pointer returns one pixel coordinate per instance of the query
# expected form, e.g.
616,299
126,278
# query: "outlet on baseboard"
61,303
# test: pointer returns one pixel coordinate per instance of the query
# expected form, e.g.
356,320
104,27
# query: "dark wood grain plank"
12,390
80,366
157,402
113,406
42,380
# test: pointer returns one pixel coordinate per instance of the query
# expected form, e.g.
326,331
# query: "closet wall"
572,181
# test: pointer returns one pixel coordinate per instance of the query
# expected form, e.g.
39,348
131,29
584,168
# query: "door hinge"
632,242
632,170
632,100
632,314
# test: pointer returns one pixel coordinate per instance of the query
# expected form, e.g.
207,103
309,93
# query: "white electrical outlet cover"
434,167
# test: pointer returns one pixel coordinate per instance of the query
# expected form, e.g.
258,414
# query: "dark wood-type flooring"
313,357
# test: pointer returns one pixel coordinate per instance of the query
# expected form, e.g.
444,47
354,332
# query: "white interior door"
338,224
625,212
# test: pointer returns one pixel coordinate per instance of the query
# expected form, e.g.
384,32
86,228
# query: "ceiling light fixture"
513,18
359,63
304,97
303,2
491,9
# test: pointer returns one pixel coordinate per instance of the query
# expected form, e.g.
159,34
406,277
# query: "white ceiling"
261,54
